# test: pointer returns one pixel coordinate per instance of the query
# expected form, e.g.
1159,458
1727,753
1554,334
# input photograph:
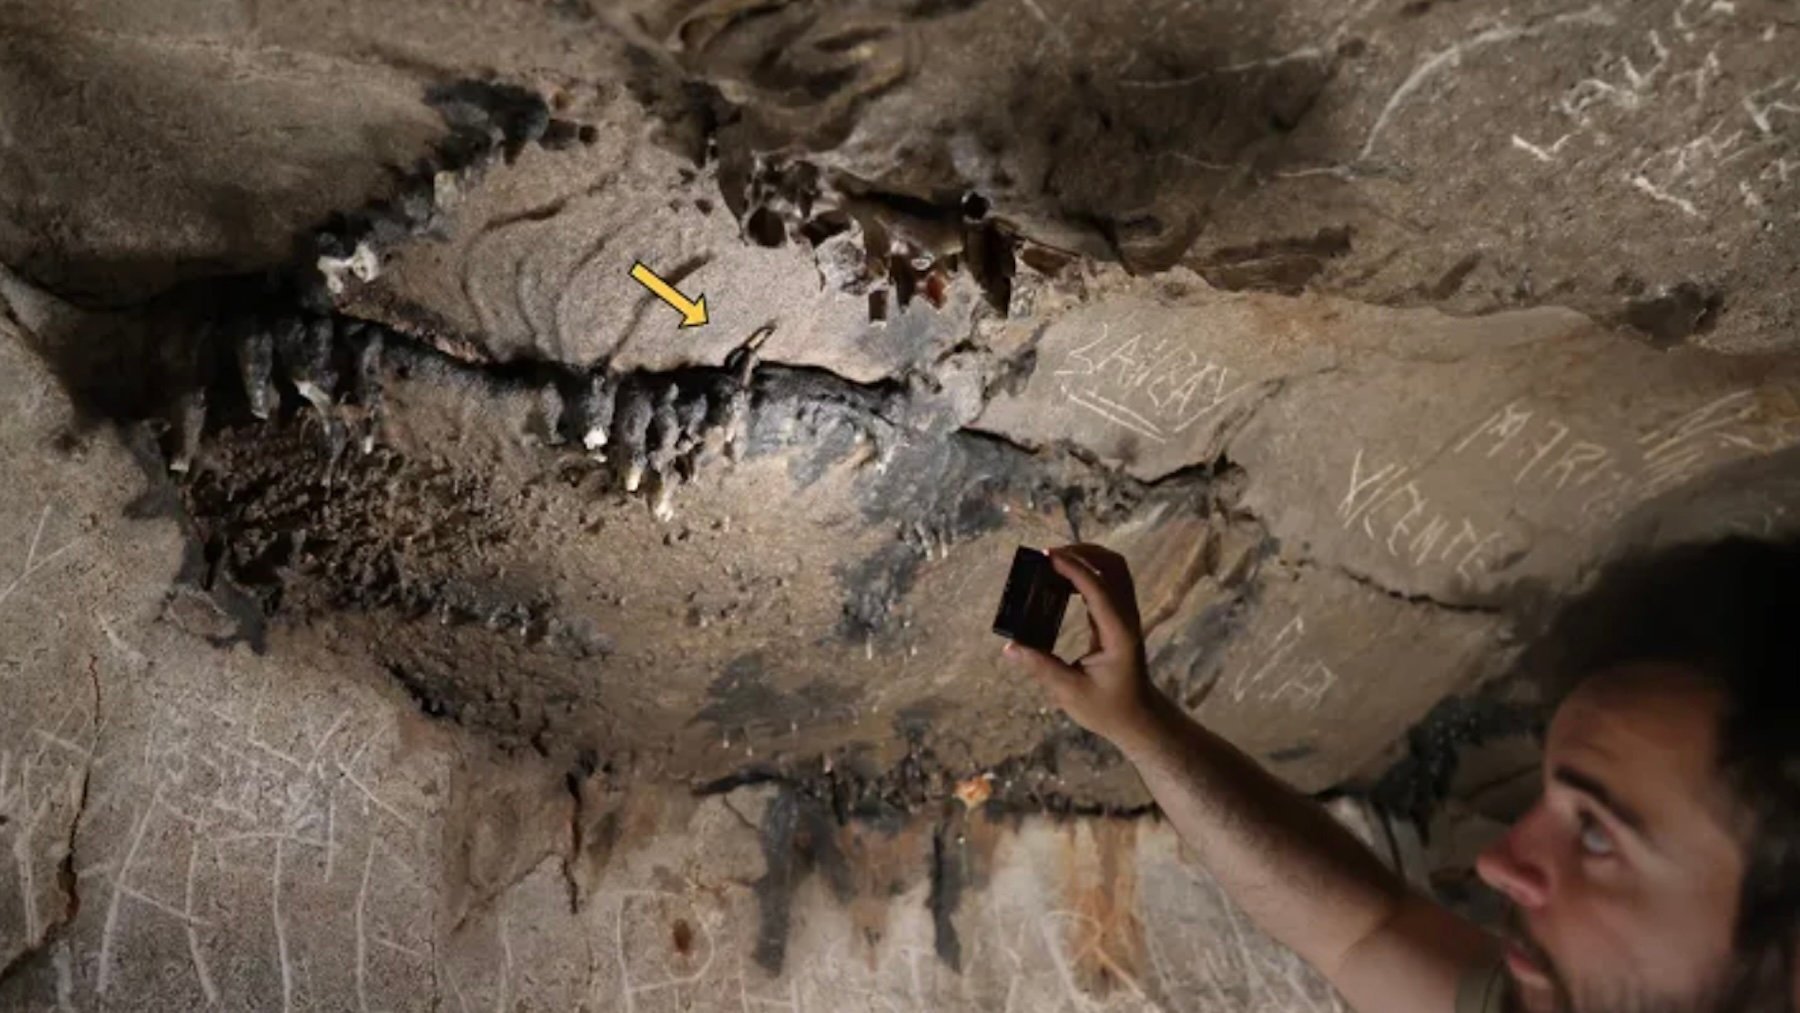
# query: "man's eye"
1594,839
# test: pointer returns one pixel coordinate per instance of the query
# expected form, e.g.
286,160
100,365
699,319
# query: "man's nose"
1515,864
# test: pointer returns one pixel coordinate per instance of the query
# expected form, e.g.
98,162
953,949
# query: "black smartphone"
1032,606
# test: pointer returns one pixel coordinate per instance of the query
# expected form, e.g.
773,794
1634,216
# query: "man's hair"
1729,611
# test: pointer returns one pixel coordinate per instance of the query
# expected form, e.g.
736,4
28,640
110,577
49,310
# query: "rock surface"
403,611
196,824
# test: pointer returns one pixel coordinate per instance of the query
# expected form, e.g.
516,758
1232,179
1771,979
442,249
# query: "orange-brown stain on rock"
682,935
883,865
643,818
1777,404
1103,936
1286,324
1167,561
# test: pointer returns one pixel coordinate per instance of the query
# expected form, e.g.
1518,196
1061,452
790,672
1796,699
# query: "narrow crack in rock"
1414,598
573,782
66,879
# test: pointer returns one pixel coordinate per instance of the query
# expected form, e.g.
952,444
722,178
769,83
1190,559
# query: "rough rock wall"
1322,146
341,296
188,825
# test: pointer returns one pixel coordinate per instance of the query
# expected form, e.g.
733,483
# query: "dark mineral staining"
948,878
256,363
1285,265
765,228
1676,313
799,838
874,587
741,693
1289,754
520,115
1452,280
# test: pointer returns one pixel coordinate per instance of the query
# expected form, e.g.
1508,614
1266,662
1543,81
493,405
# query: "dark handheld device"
1031,608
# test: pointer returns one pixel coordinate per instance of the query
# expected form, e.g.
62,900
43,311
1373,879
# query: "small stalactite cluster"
286,325
654,432
893,248
657,432
289,335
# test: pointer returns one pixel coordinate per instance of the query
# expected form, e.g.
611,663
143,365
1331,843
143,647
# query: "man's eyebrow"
1598,792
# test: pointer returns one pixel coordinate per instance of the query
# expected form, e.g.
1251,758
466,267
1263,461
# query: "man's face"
1625,874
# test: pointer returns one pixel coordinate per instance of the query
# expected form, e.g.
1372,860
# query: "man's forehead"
1647,733
1666,710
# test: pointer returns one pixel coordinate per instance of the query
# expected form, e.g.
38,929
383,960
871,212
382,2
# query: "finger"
1103,561
1103,607
1115,575
1045,668
1109,566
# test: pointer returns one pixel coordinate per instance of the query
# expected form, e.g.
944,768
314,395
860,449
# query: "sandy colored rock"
79,575
1159,381
190,159
286,830
537,265
1517,484
398,611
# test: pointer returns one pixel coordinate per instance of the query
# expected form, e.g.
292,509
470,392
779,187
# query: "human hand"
1107,690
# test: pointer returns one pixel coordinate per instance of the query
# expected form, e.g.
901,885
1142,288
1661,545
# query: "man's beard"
1622,996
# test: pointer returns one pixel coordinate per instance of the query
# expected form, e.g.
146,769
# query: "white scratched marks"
1388,506
1726,138
1769,107
1156,388
1446,61
41,774
120,888
1542,154
195,951
35,559
647,970
212,840
1321,51
1215,960
1552,461
1554,472
281,941
23,813
1661,196
1052,30
1284,672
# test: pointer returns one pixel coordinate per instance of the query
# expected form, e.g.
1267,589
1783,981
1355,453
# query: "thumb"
1044,667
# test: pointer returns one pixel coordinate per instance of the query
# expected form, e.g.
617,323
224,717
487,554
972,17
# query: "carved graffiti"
1157,388
1284,672
1549,463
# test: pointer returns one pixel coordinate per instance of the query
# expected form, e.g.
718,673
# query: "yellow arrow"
693,311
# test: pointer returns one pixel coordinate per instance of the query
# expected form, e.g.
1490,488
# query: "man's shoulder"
1482,988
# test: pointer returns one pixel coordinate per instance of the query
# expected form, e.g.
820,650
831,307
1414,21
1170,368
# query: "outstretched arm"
1299,875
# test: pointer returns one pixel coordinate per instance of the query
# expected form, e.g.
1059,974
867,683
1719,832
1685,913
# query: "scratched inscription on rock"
1157,387
1554,472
